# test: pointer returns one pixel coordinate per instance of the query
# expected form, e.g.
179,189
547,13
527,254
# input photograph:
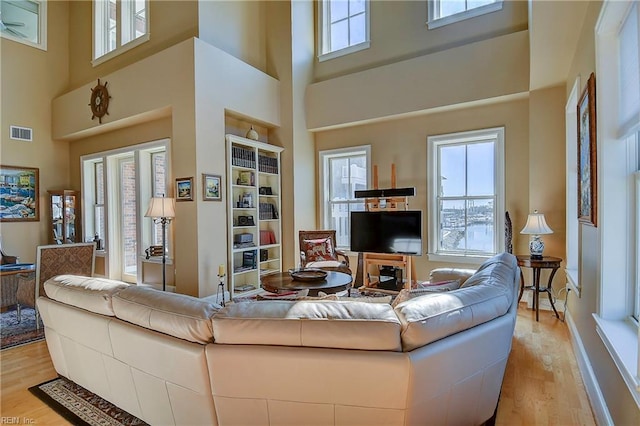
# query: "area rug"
81,407
14,333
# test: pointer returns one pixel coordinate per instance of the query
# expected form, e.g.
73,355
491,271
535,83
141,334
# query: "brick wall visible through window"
128,199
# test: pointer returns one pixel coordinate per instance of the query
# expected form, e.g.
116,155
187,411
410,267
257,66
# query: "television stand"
379,259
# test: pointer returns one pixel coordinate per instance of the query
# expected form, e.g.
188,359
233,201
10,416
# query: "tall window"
158,189
618,124
343,27
444,12
342,172
628,124
466,194
98,200
117,24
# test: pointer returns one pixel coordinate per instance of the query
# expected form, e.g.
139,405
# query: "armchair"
318,250
52,260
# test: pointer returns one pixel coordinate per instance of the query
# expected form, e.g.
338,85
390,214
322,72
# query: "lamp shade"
161,207
536,225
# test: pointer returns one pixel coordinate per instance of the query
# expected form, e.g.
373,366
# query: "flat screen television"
391,232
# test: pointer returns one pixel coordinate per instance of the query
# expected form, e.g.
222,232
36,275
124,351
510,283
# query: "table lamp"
162,210
535,226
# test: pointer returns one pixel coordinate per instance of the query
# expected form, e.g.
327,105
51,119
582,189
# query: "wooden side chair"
52,260
318,250
508,234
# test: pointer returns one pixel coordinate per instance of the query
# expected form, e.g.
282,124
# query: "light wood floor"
542,384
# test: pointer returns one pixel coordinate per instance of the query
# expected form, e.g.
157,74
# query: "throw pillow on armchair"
318,250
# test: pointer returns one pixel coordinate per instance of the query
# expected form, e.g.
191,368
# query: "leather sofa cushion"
92,294
323,324
431,317
178,315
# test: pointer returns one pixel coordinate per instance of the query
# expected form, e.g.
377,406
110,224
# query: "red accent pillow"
319,249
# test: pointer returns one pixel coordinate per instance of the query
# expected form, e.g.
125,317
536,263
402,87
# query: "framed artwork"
587,155
19,194
211,187
184,189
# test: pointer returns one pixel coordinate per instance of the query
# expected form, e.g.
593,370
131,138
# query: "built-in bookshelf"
254,228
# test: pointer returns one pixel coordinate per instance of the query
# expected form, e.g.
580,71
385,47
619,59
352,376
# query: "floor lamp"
162,210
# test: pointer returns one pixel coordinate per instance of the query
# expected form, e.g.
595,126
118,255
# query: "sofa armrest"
448,274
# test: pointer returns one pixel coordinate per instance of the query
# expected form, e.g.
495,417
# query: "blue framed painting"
184,189
19,194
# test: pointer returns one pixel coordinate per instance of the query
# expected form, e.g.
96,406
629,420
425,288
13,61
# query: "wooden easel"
397,260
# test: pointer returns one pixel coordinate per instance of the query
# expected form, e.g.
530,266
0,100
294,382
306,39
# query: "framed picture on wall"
587,155
184,189
19,193
212,187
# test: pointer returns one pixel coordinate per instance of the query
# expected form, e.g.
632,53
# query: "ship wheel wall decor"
99,101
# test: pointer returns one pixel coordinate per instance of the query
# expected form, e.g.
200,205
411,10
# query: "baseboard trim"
596,399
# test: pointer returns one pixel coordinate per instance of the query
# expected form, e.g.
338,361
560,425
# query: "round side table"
537,265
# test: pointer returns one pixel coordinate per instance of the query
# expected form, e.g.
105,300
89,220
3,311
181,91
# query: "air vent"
21,133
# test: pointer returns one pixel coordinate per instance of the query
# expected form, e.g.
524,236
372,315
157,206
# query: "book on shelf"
267,164
244,287
243,157
267,211
249,259
267,237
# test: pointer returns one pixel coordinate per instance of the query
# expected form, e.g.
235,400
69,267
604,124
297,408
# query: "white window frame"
435,21
324,33
90,198
434,142
42,28
617,165
324,179
124,15
142,153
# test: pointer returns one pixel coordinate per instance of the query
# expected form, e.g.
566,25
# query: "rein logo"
4,420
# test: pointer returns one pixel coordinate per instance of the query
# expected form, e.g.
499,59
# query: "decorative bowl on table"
308,274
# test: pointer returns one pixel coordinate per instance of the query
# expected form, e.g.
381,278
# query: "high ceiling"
554,30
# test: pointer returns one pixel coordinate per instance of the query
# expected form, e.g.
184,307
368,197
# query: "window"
158,189
445,12
117,186
118,26
98,199
343,27
24,21
466,184
342,172
618,111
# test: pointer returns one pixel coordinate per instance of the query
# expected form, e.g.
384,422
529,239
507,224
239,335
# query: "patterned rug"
14,333
81,407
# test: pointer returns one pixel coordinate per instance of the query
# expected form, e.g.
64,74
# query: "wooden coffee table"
283,282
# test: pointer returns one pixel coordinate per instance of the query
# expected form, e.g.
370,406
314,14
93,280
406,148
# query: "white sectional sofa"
171,359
